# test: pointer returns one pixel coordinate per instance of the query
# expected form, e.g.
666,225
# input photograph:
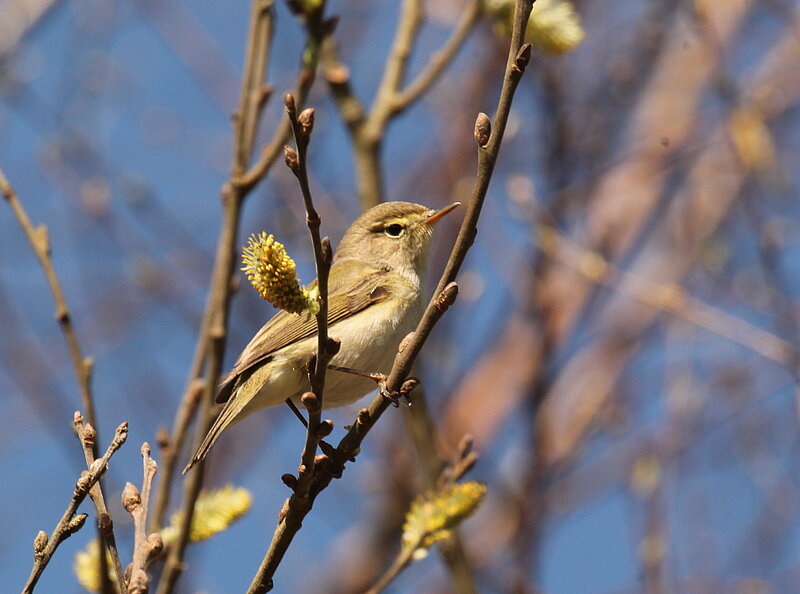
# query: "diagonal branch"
40,241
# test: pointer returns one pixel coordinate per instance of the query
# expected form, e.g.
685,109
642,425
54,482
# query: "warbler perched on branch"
374,301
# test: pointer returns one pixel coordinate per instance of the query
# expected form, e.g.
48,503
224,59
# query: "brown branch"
211,343
403,98
105,526
145,547
408,25
302,126
39,239
401,561
299,504
45,546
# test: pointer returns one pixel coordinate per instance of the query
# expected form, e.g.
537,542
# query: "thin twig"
39,239
367,128
105,526
144,548
302,125
403,98
401,561
298,505
45,546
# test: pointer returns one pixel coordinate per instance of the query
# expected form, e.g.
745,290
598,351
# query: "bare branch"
45,546
298,505
40,241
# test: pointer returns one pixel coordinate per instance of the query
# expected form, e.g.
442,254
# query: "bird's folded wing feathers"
285,328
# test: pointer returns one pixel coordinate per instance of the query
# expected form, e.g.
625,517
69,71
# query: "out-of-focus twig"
44,546
668,298
39,239
367,128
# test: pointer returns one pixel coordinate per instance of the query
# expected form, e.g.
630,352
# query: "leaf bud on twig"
291,159
130,497
39,543
288,100
324,428
522,59
76,523
310,401
289,480
483,129
332,346
306,121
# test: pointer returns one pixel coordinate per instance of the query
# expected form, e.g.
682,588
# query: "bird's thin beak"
434,218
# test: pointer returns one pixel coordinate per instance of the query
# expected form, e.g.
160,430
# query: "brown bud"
327,448
289,480
447,297
310,401
77,417
405,342
104,523
288,100
523,57
332,346
130,497
483,129
156,543
82,484
89,434
76,523
337,74
408,386
306,121
291,159
324,428
302,469
40,542
363,416
320,459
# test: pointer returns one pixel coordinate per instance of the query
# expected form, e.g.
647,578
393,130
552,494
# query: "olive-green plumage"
374,300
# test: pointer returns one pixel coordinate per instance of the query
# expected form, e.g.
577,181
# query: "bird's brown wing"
284,328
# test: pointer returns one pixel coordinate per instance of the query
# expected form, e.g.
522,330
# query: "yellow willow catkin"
272,273
431,517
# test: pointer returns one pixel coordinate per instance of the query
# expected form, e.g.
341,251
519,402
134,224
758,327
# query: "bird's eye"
394,230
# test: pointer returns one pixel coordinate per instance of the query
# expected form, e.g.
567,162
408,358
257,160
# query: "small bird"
374,301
